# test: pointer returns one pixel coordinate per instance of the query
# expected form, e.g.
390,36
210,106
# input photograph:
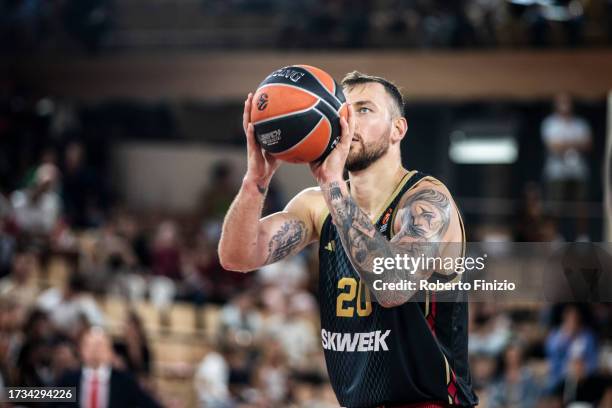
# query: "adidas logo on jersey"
352,342
331,246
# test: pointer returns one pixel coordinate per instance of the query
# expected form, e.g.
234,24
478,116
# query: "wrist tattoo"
335,193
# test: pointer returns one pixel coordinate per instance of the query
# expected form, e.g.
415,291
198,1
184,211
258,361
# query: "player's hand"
332,168
261,165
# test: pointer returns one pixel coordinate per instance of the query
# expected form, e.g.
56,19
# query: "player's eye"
364,110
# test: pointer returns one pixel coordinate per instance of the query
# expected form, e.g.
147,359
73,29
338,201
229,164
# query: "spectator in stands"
290,275
48,156
219,193
242,363
130,228
272,374
581,384
312,391
240,321
516,386
64,358
81,191
38,207
571,337
533,225
211,380
71,307
568,14
2,387
33,365
166,251
7,239
133,349
11,338
98,383
167,267
224,284
18,285
108,259
274,200
567,139
490,330
299,334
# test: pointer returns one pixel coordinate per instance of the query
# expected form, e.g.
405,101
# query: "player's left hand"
332,168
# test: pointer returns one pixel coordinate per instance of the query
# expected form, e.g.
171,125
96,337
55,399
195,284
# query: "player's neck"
372,187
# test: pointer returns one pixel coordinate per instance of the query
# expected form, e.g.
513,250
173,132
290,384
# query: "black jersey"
415,352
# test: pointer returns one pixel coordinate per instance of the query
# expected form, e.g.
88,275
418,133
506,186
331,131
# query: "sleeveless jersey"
375,356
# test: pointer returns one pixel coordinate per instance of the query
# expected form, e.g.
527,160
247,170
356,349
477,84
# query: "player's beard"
362,158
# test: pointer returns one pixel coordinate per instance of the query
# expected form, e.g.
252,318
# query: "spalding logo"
262,102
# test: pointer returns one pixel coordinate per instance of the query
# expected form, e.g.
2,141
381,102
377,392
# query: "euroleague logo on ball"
262,102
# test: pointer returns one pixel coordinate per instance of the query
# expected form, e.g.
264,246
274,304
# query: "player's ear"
400,127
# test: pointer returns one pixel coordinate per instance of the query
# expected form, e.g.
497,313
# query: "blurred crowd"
431,24
92,25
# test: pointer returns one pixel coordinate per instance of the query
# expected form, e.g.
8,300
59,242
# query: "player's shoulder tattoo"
426,214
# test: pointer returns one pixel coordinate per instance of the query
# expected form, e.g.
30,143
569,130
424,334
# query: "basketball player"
383,348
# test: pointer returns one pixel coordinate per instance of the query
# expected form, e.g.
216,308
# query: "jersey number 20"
346,300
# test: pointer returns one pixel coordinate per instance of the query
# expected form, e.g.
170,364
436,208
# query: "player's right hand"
261,165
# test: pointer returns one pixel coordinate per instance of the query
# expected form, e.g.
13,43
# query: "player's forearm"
363,243
238,246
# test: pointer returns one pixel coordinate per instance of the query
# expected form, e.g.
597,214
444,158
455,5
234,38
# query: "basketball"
296,113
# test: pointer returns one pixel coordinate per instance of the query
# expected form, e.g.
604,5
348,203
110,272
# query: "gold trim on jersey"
405,178
323,218
456,278
448,379
462,231
447,369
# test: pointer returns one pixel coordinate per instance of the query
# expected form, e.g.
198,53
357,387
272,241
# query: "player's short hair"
357,78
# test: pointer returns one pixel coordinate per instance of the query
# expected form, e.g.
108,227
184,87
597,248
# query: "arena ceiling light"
494,149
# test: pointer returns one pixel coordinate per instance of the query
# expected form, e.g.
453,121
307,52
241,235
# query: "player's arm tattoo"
288,240
425,220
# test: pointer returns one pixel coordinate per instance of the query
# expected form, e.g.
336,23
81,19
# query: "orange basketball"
296,113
